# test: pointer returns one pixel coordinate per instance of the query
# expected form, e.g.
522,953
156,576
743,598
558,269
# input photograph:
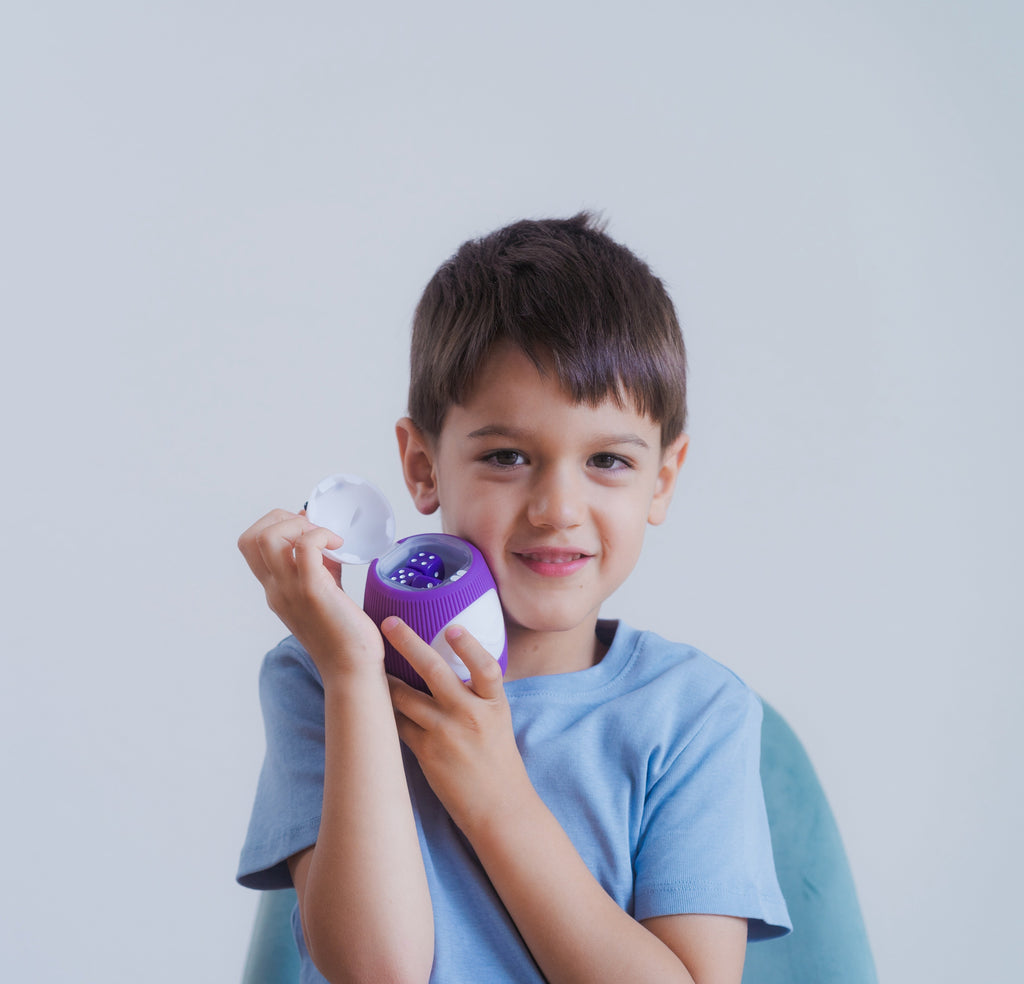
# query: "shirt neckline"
620,640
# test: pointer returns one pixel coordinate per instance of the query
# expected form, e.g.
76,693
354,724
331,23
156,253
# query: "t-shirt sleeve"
705,845
289,794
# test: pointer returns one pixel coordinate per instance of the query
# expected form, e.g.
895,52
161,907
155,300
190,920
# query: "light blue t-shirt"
650,760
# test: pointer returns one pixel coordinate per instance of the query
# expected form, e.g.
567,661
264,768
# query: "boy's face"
555,495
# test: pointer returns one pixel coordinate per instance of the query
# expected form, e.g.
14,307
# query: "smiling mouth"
553,563
548,557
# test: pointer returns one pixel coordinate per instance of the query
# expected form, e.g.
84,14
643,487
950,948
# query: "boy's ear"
417,453
671,462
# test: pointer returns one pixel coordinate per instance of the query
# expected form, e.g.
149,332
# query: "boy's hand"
460,733
285,552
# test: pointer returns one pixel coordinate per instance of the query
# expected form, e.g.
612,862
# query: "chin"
548,619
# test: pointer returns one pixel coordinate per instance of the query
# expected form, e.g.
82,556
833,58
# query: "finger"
333,566
276,543
309,547
485,672
439,677
248,542
415,711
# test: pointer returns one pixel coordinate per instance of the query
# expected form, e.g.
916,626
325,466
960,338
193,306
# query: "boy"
598,815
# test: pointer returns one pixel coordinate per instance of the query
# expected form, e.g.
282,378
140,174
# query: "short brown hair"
572,299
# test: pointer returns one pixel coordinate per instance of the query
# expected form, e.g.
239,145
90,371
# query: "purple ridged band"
426,610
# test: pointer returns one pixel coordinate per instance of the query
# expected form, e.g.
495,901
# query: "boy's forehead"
508,372
513,398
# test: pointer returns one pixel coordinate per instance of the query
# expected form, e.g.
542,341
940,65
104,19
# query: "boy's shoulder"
289,681
673,692
644,675
289,652
650,655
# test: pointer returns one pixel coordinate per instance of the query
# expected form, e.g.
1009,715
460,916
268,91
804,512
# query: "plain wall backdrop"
215,220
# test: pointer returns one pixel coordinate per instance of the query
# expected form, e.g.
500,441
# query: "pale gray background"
216,219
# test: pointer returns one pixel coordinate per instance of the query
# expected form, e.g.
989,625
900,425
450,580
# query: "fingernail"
454,632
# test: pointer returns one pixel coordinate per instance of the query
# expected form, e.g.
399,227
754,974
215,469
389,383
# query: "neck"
537,653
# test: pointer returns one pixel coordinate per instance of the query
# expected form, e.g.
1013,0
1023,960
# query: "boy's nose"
556,501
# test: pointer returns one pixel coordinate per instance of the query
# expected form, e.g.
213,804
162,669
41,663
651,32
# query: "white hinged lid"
358,512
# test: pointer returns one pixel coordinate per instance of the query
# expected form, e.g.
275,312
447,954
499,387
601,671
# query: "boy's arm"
463,739
576,931
362,889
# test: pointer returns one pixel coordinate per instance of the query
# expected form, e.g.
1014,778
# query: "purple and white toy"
430,580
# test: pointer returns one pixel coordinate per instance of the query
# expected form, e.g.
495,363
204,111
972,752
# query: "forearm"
365,904
574,929
362,888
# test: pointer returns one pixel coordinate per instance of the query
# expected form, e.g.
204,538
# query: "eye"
609,462
505,458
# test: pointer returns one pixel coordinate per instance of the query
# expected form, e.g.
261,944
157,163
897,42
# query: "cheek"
474,519
627,534
629,546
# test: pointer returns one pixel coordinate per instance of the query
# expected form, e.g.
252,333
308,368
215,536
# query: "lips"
553,562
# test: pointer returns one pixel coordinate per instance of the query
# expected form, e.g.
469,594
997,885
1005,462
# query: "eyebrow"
517,434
